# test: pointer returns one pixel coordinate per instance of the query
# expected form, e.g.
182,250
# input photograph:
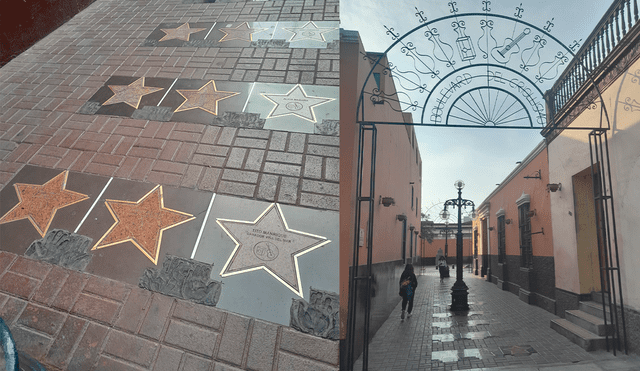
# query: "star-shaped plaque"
205,98
39,203
130,94
268,243
240,32
308,32
141,223
296,102
181,33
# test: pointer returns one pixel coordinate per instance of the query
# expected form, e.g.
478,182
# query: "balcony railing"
618,21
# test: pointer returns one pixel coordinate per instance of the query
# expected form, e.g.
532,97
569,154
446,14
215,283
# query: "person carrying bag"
408,285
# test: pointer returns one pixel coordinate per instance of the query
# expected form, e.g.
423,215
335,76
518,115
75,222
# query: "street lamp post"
459,291
445,215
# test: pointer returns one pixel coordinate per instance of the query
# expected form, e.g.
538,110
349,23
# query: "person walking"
408,285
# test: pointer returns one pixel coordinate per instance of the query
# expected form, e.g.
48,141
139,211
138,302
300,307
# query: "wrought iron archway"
490,82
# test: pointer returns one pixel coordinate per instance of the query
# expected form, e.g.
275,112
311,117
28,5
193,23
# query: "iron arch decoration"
461,69
473,70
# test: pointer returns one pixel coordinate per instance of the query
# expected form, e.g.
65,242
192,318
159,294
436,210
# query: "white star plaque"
268,243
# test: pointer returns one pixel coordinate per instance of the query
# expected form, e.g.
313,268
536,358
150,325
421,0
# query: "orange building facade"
513,235
396,199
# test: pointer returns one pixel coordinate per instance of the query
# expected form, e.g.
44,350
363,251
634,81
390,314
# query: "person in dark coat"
408,285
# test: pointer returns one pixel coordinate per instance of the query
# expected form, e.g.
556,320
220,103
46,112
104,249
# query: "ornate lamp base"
459,295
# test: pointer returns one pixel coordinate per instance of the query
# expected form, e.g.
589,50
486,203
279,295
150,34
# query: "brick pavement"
499,332
77,321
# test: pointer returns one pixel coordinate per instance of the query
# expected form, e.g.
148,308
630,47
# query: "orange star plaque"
141,223
39,203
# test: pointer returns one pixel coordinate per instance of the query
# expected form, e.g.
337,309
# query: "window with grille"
526,252
502,255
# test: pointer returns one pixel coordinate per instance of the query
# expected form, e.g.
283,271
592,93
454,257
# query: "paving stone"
325,151
282,169
18,285
320,187
278,141
319,201
290,362
234,338
296,142
155,318
309,346
194,338
31,342
11,309
199,314
291,158
168,359
325,140
236,158
97,308
62,347
268,187
238,189
134,310
288,190
226,137
51,285
192,362
209,180
31,268
107,288
86,354
251,143
106,363
223,367
42,319
262,348
240,176
254,160
131,348
313,167
332,169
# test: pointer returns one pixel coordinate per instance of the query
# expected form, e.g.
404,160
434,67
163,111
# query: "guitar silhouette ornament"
502,53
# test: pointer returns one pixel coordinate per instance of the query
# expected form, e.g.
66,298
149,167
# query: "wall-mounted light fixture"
531,213
387,201
554,187
507,221
490,228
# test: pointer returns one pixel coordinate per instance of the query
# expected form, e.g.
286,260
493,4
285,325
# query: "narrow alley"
499,332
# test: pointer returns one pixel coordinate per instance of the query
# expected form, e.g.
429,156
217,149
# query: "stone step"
585,339
588,322
591,307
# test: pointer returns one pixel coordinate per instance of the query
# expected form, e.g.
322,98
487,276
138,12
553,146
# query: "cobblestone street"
499,332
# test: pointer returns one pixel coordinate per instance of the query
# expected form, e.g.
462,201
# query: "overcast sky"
480,157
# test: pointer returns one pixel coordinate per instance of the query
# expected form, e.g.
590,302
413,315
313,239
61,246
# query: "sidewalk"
500,332
169,175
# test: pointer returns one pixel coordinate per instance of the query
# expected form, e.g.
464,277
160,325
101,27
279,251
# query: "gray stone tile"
291,158
278,141
320,187
332,169
268,187
313,167
236,158
240,176
254,160
288,190
282,169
